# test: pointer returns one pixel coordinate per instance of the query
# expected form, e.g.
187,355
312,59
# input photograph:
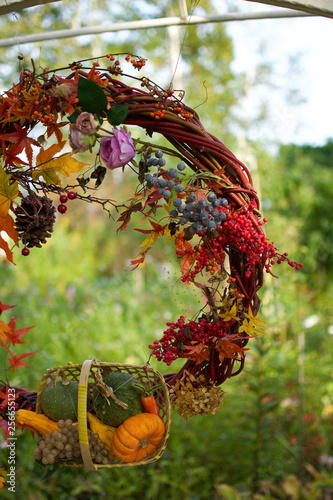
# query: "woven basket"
85,375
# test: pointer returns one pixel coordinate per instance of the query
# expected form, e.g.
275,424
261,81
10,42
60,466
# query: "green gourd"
59,401
127,390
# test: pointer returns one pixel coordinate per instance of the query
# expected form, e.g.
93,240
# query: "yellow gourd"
105,432
40,423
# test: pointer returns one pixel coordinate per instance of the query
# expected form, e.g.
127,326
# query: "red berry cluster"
3,408
179,334
237,231
62,208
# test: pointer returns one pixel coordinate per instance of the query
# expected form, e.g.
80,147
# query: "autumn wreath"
213,218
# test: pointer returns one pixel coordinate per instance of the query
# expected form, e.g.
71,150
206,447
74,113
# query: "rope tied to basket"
106,391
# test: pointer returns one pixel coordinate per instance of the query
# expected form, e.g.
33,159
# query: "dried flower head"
192,396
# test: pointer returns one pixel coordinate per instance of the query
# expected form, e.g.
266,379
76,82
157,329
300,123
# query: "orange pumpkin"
138,437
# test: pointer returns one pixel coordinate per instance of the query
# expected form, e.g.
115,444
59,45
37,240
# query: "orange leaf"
4,336
8,192
49,169
228,349
7,225
197,352
46,155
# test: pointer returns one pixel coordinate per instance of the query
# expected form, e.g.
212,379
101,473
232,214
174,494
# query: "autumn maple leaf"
19,141
15,335
4,396
198,352
228,349
16,361
8,192
232,314
253,324
3,475
4,308
4,336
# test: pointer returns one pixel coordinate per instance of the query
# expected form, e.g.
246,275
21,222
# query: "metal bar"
183,10
147,23
8,6
316,7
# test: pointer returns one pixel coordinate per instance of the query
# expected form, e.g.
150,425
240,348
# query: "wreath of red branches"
231,258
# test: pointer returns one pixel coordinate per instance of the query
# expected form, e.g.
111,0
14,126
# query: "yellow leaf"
64,165
8,192
253,324
4,339
232,314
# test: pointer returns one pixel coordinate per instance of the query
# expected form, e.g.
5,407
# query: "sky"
308,42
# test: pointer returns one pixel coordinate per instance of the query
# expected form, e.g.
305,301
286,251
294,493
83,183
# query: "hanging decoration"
195,194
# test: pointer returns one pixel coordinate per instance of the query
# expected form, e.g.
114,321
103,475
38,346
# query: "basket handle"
82,415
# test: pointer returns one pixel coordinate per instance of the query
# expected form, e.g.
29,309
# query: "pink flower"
86,123
117,150
78,141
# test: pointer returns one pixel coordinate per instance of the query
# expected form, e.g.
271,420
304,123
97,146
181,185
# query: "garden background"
273,434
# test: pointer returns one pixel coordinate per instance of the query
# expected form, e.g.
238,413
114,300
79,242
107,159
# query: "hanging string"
194,4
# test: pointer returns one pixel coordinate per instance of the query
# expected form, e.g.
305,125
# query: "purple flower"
117,150
86,123
78,142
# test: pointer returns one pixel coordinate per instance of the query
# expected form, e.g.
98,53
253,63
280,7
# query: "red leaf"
16,361
4,308
20,141
4,425
14,338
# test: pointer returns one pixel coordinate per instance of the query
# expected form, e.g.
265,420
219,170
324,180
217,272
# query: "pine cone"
34,220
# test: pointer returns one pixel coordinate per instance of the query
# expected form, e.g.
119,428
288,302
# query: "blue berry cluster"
204,214
164,186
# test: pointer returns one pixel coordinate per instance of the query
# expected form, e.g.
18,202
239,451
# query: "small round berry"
148,177
62,208
2,407
152,182
172,172
63,198
191,197
211,197
224,202
161,182
190,206
202,203
25,251
16,406
177,202
174,213
171,184
158,153
179,188
161,162
166,194
183,220
181,166
71,195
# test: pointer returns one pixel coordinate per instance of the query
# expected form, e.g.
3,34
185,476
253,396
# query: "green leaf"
91,96
72,118
117,114
227,492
